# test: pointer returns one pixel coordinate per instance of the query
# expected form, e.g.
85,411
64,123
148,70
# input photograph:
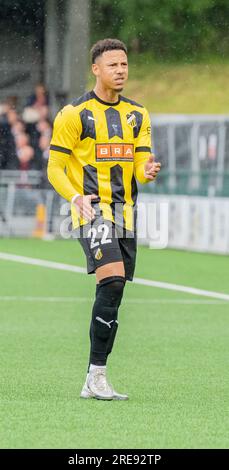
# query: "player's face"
111,69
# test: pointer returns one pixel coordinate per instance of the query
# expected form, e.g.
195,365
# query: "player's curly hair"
106,45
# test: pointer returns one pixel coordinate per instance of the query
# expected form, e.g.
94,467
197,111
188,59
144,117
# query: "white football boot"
96,386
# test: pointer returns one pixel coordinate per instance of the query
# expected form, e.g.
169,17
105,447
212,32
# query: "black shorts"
104,243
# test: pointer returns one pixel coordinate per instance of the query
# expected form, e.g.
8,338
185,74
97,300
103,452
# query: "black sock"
112,337
91,328
104,318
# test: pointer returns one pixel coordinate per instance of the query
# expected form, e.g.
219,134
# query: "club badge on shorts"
98,254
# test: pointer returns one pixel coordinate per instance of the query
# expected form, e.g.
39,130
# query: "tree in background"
179,29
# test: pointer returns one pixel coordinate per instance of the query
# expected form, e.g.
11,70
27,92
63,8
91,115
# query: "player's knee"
105,310
111,289
116,289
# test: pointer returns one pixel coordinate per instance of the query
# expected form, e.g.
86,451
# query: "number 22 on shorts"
92,234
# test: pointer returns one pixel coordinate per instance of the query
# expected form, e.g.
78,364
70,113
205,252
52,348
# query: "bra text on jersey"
114,152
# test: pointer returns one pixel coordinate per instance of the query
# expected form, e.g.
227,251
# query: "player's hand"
151,168
84,207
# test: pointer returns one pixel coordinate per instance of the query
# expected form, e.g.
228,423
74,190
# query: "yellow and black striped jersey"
99,147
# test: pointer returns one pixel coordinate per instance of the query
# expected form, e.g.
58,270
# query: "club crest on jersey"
131,119
98,254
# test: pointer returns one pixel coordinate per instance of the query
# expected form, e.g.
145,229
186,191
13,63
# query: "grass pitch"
171,354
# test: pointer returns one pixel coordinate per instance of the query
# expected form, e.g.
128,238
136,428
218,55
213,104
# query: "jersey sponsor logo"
131,119
114,152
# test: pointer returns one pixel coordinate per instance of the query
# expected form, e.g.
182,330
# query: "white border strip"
137,280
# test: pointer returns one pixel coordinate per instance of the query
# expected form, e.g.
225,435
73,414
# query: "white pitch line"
23,298
14,298
42,262
137,280
180,288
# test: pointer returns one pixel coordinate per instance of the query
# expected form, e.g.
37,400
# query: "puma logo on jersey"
108,323
90,118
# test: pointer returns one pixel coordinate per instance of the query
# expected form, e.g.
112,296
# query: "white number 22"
93,232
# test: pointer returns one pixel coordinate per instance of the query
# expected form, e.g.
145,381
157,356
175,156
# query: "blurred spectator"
7,145
31,115
44,142
25,156
21,140
9,104
44,127
12,117
18,128
12,101
24,143
39,98
37,105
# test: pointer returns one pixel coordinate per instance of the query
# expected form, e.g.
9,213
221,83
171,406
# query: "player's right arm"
64,139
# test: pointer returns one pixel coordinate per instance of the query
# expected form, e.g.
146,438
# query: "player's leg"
126,268
104,257
104,274
103,330
112,270
109,291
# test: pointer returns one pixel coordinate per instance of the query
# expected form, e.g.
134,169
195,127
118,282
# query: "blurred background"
179,69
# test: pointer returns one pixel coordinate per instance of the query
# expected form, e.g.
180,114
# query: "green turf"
171,358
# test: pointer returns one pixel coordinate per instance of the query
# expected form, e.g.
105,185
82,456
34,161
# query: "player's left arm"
146,169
